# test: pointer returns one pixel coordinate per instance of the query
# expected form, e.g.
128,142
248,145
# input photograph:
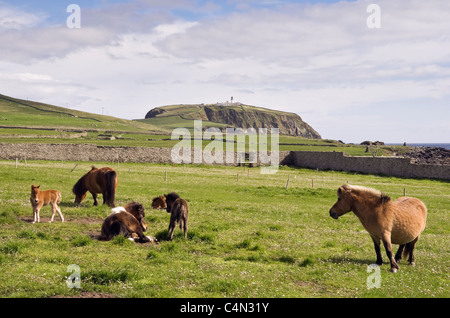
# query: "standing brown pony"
40,198
393,222
128,221
179,212
103,180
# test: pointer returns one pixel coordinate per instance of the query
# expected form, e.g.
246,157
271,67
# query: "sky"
352,73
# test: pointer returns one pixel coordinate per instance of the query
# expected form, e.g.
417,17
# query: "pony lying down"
128,221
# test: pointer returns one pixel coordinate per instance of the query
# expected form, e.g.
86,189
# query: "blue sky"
318,59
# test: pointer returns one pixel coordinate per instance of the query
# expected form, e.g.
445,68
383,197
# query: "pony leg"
388,246
94,196
53,212
58,209
34,215
171,229
398,255
410,250
37,214
376,244
185,226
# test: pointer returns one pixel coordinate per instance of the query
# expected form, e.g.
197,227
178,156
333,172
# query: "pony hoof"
393,270
412,264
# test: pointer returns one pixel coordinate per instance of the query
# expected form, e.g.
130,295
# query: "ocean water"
446,145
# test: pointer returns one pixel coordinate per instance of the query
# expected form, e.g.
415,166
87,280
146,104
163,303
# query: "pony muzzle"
334,215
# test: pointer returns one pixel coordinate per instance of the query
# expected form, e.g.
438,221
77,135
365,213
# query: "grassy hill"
19,113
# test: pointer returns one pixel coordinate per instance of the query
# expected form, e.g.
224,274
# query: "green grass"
246,238
20,113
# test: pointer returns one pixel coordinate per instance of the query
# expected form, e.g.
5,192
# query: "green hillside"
19,113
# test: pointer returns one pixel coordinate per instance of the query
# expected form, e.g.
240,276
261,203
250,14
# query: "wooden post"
74,168
165,176
404,192
287,182
312,182
237,176
16,162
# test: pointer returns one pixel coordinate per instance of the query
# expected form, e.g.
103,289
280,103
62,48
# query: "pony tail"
111,177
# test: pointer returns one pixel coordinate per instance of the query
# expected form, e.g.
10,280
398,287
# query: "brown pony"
393,222
159,202
103,180
179,212
128,221
40,198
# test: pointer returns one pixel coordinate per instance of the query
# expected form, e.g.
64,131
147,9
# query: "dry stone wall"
391,166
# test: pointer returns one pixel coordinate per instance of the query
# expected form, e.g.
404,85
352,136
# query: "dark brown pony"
159,202
40,198
393,222
128,221
179,212
103,180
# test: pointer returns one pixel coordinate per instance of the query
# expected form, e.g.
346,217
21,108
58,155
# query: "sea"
445,145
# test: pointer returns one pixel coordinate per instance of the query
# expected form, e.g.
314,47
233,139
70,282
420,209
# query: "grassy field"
250,237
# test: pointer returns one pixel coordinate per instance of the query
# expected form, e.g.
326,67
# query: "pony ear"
165,195
343,189
38,186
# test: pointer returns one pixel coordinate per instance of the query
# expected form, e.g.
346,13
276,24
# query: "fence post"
287,182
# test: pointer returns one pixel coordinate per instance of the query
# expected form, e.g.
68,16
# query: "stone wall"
83,152
391,166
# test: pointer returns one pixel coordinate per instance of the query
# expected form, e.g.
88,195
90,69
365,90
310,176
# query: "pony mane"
79,188
369,191
171,196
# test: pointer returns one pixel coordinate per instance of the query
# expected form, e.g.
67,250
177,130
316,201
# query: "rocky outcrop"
429,155
241,117
287,123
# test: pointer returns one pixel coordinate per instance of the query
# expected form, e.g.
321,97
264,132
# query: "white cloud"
12,18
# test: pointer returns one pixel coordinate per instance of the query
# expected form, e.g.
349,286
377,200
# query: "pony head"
138,211
344,203
34,193
79,197
170,199
80,190
159,202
